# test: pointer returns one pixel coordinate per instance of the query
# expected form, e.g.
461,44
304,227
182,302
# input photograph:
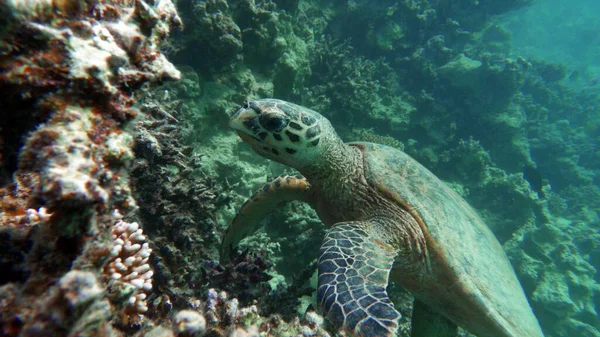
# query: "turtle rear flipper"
279,191
354,268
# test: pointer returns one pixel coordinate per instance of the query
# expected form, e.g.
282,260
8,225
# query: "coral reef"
351,84
69,72
434,78
246,275
86,151
74,307
554,264
176,203
128,263
190,323
218,40
220,312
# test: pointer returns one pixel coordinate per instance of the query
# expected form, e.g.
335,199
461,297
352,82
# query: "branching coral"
355,85
245,277
215,40
129,263
225,317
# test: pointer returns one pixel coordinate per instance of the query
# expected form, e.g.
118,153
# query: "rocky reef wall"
74,262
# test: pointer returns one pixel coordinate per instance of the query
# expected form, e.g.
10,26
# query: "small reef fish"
534,178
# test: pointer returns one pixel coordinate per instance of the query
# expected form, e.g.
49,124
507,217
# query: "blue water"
566,32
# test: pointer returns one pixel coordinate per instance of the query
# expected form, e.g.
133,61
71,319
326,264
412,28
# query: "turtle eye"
272,122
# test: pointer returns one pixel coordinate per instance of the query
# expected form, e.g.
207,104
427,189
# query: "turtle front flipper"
279,191
354,268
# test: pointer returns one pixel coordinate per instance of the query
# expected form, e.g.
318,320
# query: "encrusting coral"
75,304
68,73
189,323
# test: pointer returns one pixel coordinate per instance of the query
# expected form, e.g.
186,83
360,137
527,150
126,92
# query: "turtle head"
284,132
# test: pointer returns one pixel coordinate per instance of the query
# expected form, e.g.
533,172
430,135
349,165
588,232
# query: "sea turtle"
389,218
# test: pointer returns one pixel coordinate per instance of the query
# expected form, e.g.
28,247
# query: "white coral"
129,261
36,216
31,217
190,323
79,287
240,332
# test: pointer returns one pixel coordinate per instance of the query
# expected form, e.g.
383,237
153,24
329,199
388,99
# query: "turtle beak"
245,122
245,137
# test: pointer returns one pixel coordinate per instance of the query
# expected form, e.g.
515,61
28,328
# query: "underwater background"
120,173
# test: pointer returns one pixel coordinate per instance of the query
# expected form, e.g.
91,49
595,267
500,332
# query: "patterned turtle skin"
389,218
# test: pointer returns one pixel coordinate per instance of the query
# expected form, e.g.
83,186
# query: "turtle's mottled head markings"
284,132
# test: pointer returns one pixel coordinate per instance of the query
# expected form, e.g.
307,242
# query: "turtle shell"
469,279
